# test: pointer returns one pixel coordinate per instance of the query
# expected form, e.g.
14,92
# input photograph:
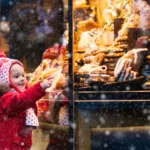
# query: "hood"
5,66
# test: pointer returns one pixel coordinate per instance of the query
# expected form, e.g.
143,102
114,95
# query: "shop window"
36,33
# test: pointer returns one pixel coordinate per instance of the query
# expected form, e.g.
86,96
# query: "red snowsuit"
14,134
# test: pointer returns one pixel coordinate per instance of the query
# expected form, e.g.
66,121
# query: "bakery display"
121,62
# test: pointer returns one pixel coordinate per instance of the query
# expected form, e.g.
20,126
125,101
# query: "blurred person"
54,109
33,29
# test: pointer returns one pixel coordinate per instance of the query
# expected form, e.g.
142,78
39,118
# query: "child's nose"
22,78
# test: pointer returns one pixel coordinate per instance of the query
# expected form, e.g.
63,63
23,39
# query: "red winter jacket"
14,134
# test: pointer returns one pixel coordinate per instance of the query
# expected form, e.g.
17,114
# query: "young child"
17,105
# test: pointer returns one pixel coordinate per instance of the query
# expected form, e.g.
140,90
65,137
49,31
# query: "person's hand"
46,83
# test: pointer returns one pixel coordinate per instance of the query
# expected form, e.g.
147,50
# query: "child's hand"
46,83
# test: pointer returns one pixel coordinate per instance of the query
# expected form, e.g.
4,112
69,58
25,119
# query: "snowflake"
102,120
137,135
73,125
105,145
132,148
60,9
103,96
87,120
71,140
148,118
107,132
48,10
119,135
69,55
4,26
149,132
32,11
20,36
45,21
145,111
128,88
3,18
52,131
10,3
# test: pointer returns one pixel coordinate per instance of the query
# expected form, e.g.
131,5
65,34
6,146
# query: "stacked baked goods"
119,47
99,60
122,39
107,56
130,65
89,44
112,56
94,67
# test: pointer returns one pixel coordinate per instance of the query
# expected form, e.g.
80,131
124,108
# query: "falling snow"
103,125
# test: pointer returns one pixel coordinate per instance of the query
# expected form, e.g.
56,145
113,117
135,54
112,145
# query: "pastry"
114,54
98,59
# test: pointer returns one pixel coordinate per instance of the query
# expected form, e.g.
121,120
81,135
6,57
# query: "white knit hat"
5,66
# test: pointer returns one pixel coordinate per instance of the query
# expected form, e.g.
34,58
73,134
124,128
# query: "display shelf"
54,127
89,103
112,95
112,99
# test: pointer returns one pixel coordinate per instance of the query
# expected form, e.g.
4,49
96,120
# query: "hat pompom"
2,54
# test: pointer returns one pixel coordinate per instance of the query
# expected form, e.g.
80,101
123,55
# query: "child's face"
17,77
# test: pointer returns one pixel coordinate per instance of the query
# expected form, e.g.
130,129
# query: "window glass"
36,33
